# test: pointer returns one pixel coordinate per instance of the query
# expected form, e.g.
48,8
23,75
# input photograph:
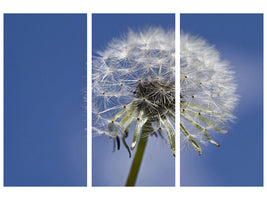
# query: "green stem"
138,155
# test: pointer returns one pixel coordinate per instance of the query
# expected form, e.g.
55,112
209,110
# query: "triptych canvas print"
151,84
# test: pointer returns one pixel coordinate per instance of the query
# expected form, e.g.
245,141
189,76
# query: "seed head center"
155,95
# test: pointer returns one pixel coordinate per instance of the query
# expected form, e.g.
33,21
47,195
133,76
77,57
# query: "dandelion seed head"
208,91
134,85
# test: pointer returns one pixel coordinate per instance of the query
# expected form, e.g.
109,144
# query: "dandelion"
207,94
134,91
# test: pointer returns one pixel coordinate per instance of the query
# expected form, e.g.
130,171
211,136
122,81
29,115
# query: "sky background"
44,109
112,168
239,160
45,116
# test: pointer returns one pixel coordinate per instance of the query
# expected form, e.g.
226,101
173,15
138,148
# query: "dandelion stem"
138,155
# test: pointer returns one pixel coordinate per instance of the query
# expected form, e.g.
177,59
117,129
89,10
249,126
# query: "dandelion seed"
134,86
208,92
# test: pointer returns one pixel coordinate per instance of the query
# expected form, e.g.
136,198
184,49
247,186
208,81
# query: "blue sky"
45,116
239,160
111,168
44,110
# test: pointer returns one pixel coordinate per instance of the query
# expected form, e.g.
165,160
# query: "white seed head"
208,91
134,84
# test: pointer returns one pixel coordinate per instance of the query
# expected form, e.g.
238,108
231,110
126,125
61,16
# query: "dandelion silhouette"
134,86
208,92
